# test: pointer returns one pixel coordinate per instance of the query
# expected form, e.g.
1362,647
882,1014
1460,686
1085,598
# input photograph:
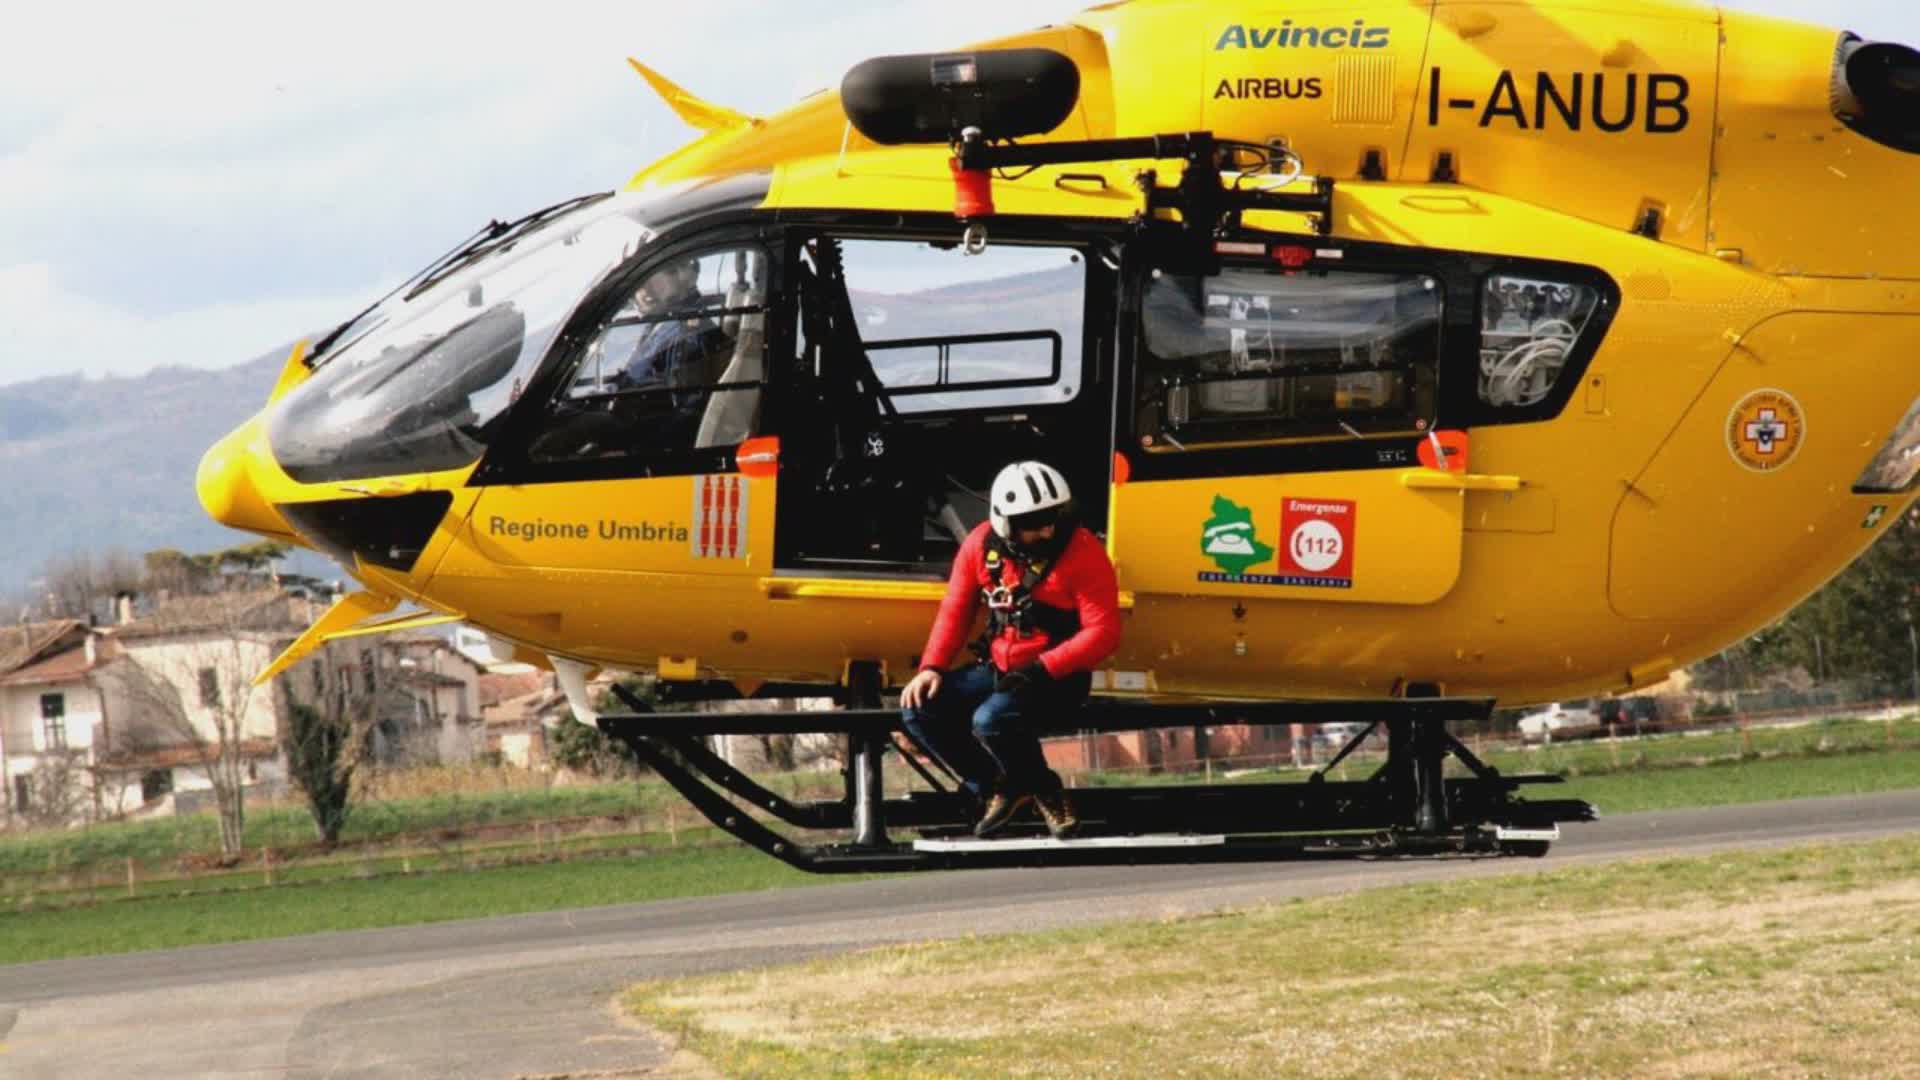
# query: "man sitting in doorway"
1053,614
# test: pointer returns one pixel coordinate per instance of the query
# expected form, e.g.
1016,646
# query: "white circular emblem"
1316,545
1766,429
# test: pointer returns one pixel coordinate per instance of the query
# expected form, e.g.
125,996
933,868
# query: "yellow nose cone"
226,484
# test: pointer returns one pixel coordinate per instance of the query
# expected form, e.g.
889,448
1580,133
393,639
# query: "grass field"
283,827
645,804
1802,962
1732,782
373,885
402,900
1590,757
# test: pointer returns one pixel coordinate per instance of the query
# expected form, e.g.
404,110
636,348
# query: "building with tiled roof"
22,643
49,703
254,611
518,710
143,705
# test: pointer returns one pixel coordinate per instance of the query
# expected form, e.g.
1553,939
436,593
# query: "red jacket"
1081,583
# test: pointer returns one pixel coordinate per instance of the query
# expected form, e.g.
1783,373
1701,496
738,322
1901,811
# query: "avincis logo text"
1289,36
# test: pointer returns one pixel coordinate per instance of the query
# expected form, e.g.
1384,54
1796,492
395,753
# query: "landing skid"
1406,807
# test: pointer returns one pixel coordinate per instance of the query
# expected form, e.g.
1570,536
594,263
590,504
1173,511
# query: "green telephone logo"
1228,538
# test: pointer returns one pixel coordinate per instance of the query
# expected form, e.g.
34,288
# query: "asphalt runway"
532,995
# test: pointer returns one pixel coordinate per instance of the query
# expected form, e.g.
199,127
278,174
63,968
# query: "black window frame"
210,695
1462,276
510,459
1586,345
1318,428
155,783
932,229
1052,378
1101,244
53,721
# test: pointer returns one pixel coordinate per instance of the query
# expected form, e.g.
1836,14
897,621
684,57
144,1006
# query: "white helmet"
1027,487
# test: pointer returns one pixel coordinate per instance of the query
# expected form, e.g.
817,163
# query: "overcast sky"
195,183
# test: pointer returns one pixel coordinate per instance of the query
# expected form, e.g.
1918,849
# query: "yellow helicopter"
1409,356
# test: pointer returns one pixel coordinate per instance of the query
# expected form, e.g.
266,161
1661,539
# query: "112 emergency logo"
1318,543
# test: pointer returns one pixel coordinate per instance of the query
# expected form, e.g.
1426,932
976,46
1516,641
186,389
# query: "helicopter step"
1048,843
1407,806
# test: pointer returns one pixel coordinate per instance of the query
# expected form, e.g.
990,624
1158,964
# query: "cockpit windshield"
421,381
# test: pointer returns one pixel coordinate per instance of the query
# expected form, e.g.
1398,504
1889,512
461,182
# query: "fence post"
131,891
266,865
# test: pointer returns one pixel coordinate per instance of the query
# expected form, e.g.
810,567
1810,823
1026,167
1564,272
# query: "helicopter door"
923,371
628,472
1275,439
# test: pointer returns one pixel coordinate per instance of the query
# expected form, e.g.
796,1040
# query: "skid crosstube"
1405,807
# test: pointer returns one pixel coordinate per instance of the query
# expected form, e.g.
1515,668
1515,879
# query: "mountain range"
90,465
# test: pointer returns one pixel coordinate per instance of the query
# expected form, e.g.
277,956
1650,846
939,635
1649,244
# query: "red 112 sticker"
1317,543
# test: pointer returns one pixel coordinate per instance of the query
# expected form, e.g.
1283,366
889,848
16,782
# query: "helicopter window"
1896,469
680,364
945,330
1251,355
1529,328
422,384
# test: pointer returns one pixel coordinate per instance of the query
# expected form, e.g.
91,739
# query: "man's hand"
1034,674
920,689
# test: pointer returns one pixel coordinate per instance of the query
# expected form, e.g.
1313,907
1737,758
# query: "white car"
1333,736
1539,726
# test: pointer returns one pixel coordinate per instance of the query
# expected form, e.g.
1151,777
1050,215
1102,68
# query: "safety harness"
1013,605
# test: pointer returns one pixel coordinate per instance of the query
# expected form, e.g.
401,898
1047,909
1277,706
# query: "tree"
250,560
240,566
177,572
328,736
57,790
78,582
1856,627
193,688
582,748
778,751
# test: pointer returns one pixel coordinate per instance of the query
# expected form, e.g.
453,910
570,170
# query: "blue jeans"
986,736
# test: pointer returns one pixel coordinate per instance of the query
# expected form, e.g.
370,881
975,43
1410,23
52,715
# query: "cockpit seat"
732,416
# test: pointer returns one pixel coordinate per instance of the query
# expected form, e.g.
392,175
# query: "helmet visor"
1036,520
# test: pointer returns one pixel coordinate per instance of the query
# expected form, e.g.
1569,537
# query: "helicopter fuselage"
1604,353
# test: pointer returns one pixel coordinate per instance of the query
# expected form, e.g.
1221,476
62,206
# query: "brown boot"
1001,806
1057,811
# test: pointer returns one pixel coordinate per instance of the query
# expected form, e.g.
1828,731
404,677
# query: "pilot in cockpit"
679,348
